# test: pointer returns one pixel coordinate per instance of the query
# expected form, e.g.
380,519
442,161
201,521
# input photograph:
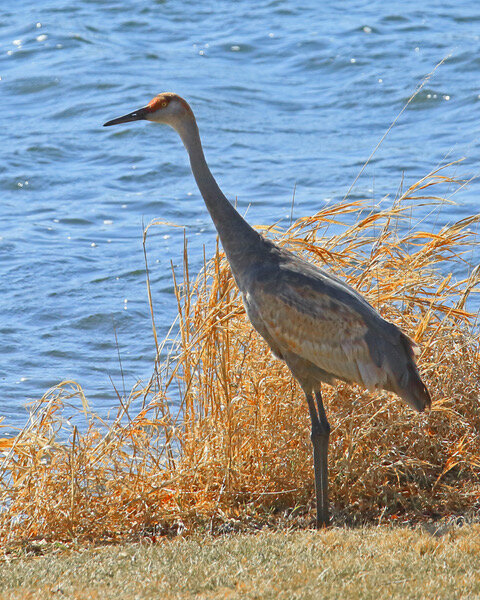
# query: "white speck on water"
125,300
367,29
417,49
93,245
134,167
235,48
38,25
59,46
446,97
56,221
69,237
23,378
49,228
17,43
107,222
109,241
202,53
429,95
9,52
166,236
123,206
353,60
380,81
191,193
42,37
271,35
434,95
19,184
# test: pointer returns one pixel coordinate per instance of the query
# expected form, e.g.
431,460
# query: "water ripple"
286,95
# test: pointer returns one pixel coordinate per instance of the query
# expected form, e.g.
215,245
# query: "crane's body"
322,328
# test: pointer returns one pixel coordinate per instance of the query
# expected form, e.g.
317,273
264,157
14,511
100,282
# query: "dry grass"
237,453
358,564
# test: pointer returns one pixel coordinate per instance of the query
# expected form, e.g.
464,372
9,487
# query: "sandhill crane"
320,327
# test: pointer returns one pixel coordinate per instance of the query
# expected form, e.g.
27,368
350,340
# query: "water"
285,94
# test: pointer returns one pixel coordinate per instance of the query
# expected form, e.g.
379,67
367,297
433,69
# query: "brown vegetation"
364,563
237,452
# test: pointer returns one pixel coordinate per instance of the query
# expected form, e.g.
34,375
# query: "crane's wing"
330,332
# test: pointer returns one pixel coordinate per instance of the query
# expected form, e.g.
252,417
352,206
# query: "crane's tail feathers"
410,387
415,392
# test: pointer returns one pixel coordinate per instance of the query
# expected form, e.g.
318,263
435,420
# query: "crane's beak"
136,115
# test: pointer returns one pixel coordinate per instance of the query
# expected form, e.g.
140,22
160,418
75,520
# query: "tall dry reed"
237,449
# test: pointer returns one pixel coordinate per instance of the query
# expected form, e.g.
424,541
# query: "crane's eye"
157,103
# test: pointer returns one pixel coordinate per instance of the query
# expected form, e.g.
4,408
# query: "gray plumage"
323,329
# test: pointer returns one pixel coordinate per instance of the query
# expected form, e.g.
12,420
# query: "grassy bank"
235,453
368,563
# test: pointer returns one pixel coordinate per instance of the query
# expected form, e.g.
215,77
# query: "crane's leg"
320,436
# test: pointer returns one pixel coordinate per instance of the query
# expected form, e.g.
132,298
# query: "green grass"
374,562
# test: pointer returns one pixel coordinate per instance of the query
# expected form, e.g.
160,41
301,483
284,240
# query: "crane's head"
166,108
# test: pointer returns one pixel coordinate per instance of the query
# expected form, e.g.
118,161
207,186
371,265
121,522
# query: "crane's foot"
322,524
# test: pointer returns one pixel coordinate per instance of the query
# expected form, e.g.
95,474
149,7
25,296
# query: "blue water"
286,94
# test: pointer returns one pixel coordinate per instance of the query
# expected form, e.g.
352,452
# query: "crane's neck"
239,240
